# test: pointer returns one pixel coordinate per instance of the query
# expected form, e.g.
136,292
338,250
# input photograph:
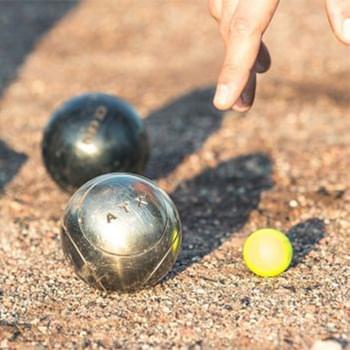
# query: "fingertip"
223,96
339,18
219,106
241,109
346,31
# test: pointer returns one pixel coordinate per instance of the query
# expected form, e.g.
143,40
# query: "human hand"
242,24
338,12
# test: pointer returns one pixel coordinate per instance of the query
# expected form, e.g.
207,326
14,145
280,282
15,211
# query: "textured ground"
284,164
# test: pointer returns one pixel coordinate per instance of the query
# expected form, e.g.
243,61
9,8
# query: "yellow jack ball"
267,252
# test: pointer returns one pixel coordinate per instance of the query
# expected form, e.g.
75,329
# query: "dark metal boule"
91,135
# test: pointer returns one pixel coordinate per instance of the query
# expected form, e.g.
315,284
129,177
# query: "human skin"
242,25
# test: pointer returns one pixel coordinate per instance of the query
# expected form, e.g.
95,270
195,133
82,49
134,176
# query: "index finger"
246,29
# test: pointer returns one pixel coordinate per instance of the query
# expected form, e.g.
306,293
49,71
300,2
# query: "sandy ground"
284,164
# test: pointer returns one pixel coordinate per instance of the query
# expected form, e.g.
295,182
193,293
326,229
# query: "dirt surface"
284,164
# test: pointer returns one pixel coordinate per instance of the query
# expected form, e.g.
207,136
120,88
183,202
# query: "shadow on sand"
22,24
180,129
218,202
304,237
10,163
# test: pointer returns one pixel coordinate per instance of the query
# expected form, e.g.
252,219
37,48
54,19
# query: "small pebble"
326,345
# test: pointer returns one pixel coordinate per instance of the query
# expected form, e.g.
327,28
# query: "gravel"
284,164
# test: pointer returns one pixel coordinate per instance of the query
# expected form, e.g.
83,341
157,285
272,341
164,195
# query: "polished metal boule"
93,134
121,232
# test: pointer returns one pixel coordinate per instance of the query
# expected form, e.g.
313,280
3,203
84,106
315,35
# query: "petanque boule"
91,135
121,232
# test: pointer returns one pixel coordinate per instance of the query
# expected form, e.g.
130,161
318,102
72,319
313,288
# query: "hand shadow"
180,129
10,164
304,237
217,203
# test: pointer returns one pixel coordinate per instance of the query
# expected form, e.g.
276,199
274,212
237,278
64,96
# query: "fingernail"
346,29
222,95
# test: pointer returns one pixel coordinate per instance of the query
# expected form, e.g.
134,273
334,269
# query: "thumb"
338,12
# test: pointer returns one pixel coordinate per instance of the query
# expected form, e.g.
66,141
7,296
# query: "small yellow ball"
267,252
